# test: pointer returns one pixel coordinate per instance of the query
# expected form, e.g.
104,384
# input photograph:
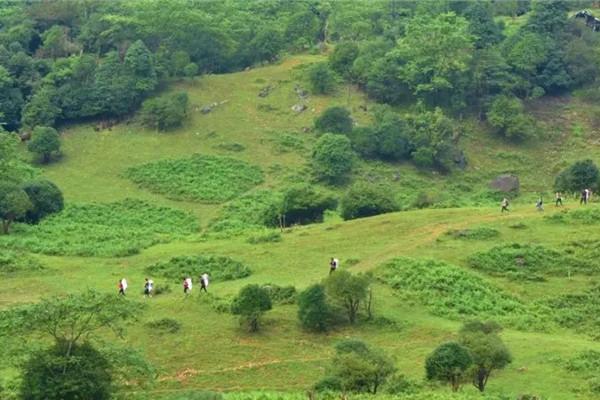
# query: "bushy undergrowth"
474,233
165,325
422,395
530,262
104,229
281,294
217,267
267,236
586,216
579,311
16,262
587,364
252,210
448,290
200,178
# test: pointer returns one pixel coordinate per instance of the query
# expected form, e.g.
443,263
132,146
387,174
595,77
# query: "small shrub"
235,147
45,144
423,200
313,310
580,311
332,158
218,304
321,78
334,120
270,236
581,175
13,262
250,304
281,294
303,204
201,178
258,209
365,200
474,233
518,225
162,289
165,112
219,268
165,325
288,143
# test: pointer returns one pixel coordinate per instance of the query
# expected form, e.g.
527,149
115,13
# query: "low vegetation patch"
530,262
102,230
257,209
580,311
448,290
12,262
217,267
198,178
165,325
587,364
270,236
474,233
281,294
586,216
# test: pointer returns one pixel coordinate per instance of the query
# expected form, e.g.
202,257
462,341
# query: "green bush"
270,236
334,120
46,198
257,209
303,204
581,175
332,158
198,178
165,325
165,112
580,311
507,116
104,229
250,304
365,200
313,310
13,262
281,294
219,268
45,143
448,290
449,363
586,216
321,78
530,262
474,233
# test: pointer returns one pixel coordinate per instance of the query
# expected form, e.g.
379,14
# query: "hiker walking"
122,286
504,205
584,196
187,285
558,200
148,287
204,282
540,204
333,265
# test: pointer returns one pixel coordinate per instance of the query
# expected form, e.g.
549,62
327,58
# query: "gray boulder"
299,108
505,183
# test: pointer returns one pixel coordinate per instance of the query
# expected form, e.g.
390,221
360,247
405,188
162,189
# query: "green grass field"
211,351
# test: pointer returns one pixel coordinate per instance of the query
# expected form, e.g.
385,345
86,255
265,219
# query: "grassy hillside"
212,352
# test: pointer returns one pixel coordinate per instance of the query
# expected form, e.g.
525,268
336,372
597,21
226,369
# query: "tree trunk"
5,226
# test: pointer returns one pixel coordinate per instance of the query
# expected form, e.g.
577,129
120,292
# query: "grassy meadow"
97,240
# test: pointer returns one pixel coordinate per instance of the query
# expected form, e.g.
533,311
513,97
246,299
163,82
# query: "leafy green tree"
449,363
334,120
190,70
303,204
364,200
12,168
490,75
141,62
332,157
179,60
436,52
432,135
482,26
45,143
313,310
385,82
488,351
46,199
582,174
321,78
342,58
266,44
250,304
41,109
357,367
347,291
165,112
49,375
14,204
11,100
507,116
72,366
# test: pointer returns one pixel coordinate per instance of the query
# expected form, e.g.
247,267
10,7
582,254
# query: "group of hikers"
149,285
584,198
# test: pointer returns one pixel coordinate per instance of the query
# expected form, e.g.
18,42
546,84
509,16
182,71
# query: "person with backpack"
204,282
187,286
122,286
540,204
558,201
148,287
504,205
584,197
333,265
